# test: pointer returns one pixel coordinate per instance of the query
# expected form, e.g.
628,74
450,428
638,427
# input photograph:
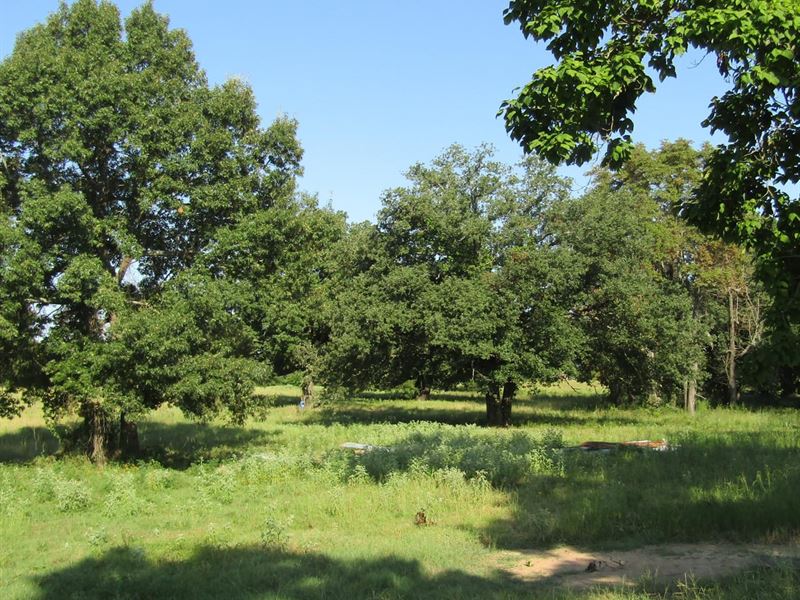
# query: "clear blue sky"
378,85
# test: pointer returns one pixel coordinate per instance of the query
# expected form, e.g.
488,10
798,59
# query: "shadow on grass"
273,400
179,445
736,487
255,572
577,402
174,445
439,395
541,409
451,455
375,412
371,413
26,443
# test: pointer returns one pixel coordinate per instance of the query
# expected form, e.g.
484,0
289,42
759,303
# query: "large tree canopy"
128,187
607,54
667,311
453,284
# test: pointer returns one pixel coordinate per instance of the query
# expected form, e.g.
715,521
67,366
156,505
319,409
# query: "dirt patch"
666,563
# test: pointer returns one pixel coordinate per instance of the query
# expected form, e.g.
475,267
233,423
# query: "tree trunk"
124,265
616,393
307,391
493,415
691,396
787,381
733,391
423,389
509,392
97,424
690,392
128,437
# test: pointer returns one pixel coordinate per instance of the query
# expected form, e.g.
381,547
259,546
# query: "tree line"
154,248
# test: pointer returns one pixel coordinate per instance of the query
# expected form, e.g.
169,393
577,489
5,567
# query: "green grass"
275,510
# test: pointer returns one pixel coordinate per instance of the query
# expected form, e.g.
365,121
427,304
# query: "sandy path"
665,563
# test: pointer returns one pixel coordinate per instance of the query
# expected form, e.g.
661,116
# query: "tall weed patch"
71,495
122,498
502,460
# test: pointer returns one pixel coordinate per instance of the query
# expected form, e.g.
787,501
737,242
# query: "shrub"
158,479
122,499
359,476
70,495
272,468
96,537
43,485
503,460
9,501
218,484
274,531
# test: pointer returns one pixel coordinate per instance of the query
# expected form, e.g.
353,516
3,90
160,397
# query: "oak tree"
122,171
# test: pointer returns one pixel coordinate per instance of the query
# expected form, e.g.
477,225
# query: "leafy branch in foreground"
605,54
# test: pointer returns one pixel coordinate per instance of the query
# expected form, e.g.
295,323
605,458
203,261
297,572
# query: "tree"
606,52
279,258
726,277
122,170
436,233
642,337
661,180
429,234
726,320
452,285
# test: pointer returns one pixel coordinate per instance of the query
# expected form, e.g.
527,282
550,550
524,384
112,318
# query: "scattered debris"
597,565
266,456
361,448
421,519
657,445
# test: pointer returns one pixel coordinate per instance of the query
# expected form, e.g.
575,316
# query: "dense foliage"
129,186
452,286
154,249
606,54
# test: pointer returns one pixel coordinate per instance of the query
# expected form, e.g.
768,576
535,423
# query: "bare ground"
665,563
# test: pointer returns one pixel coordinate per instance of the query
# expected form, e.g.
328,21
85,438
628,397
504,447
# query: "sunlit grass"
283,512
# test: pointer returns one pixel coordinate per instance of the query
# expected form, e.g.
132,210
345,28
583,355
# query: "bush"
122,499
158,479
274,531
503,460
71,496
218,484
43,485
268,468
10,502
96,537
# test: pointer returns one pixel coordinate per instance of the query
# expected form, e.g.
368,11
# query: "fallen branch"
658,445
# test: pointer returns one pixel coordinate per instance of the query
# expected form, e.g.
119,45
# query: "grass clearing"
275,510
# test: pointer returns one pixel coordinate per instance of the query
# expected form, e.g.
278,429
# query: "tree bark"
97,423
787,381
509,392
423,389
307,391
124,265
691,396
690,391
616,393
128,437
733,391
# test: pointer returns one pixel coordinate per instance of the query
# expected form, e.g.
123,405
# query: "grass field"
275,509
